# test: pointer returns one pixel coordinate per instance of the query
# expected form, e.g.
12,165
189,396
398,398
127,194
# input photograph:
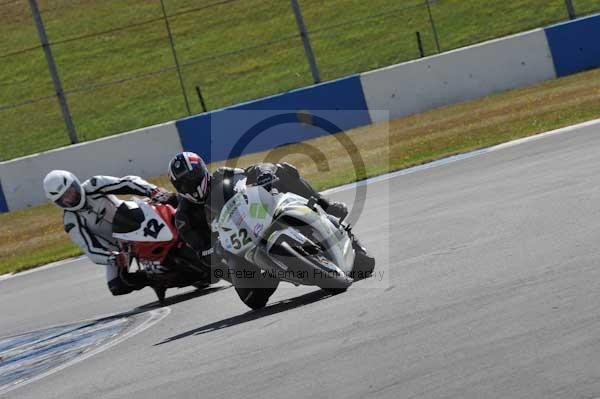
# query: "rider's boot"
337,209
363,262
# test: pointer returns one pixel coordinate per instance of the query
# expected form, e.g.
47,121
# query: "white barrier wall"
144,152
459,75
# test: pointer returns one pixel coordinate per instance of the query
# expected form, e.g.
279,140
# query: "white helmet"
64,189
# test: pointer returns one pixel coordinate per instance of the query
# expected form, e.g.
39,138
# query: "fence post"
570,9
187,103
310,56
433,28
64,107
420,44
201,98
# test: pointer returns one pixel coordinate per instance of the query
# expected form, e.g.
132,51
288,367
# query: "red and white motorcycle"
147,234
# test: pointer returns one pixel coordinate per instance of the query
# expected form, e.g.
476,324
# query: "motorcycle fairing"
244,217
238,217
155,226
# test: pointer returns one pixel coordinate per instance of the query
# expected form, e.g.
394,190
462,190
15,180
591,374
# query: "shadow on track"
186,296
277,307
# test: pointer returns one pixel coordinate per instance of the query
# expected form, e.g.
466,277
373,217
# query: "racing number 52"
243,235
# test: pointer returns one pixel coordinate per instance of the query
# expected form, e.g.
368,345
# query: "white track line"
156,315
387,176
41,268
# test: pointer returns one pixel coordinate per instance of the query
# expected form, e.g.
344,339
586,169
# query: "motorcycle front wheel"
255,298
253,286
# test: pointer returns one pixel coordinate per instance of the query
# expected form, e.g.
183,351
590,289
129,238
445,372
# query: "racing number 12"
237,244
152,229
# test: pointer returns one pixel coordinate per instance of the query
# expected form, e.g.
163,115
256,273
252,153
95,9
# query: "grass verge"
33,237
124,79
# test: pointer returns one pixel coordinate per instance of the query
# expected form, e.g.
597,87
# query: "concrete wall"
459,75
145,152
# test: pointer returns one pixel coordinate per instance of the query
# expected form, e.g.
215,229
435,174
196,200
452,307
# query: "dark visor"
71,196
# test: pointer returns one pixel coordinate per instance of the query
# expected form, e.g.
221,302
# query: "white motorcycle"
268,237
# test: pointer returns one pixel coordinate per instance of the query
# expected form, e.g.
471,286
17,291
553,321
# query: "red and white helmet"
190,176
64,189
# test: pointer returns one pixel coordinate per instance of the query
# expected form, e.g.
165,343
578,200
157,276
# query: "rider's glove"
119,259
265,179
160,195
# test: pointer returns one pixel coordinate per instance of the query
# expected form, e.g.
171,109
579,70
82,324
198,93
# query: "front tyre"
253,286
255,298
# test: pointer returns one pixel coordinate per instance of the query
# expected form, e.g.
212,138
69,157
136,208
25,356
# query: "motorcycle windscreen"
140,223
127,219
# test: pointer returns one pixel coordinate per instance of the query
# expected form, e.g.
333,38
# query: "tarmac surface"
488,287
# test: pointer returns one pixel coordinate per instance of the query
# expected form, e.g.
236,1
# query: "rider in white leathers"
89,211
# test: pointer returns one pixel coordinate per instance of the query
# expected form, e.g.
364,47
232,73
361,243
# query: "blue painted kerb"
3,205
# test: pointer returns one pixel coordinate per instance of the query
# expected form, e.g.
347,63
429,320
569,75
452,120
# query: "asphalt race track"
491,289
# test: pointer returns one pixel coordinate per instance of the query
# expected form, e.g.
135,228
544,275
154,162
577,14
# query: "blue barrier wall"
274,121
575,45
3,206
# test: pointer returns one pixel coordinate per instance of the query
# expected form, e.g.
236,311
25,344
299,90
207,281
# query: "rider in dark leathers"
192,180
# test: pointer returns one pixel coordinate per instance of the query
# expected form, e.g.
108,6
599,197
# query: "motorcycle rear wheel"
161,293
